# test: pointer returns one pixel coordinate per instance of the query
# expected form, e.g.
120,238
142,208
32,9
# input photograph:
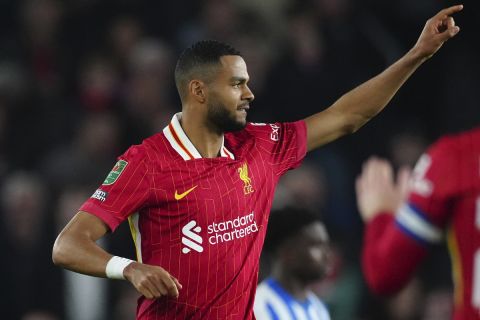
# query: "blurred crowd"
81,80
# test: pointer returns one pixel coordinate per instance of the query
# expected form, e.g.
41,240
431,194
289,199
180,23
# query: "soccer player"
298,243
443,201
198,194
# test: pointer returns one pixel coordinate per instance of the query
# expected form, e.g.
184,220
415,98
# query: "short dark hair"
286,223
197,60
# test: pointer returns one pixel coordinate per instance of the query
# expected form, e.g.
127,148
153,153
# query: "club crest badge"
243,172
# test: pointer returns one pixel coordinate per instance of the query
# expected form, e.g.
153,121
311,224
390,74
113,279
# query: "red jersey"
203,220
444,202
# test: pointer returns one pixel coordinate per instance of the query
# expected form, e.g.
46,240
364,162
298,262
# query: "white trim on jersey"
183,137
184,146
225,153
174,144
417,224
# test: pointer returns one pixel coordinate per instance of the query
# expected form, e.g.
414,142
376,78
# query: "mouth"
244,107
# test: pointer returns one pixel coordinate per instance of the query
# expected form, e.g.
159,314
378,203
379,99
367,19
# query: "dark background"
81,80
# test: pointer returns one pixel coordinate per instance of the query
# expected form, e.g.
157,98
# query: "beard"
222,120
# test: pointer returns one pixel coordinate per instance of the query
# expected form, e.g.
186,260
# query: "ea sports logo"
190,238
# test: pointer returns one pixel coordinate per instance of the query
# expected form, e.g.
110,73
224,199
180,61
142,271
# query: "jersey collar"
184,147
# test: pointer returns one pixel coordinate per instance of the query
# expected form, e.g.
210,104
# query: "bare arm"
76,249
359,105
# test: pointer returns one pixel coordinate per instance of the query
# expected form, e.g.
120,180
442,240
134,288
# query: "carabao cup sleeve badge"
116,172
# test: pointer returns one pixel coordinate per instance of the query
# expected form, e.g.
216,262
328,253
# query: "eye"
236,85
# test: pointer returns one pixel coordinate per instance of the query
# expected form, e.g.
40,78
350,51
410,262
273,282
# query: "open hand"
376,189
437,30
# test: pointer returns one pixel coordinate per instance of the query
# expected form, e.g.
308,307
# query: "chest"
208,189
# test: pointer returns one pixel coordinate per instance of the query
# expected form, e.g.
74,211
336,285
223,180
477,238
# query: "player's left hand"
376,189
437,30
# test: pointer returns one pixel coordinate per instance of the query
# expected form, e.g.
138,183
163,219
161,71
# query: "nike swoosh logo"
183,195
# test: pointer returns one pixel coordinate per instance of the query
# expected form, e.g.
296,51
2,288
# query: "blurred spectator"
405,148
406,304
39,315
149,90
3,151
300,257
85,297
26,274
304,187
125,305
89,156
41,28
217,20
98,85
124,33
438,305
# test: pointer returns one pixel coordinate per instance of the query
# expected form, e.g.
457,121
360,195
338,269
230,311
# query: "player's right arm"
76,249
125,190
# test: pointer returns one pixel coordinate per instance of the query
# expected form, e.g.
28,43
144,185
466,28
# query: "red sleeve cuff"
101,213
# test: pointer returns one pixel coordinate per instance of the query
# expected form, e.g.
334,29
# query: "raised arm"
76,249
359,105
385,245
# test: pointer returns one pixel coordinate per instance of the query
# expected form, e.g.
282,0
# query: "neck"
207,141
294,286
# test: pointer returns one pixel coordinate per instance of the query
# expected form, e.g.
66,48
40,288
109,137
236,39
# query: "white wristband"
115,267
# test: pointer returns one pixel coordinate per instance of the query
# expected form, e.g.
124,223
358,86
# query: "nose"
248,94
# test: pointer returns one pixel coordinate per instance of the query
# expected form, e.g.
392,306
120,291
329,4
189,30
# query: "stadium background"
81,80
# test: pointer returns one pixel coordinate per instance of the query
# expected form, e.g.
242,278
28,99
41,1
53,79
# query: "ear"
197,90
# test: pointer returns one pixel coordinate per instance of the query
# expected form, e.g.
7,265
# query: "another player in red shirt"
443,202
198,194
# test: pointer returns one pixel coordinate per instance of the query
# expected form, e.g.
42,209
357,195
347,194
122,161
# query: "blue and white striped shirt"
272,302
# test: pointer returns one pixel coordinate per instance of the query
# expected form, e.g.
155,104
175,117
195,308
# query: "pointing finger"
449,11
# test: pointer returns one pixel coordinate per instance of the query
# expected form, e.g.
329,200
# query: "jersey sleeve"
284,144
389,256
390,238
433,187
124,191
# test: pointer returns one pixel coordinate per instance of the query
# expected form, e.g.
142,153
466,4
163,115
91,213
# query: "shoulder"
449,143
443,146
148,148
263,288
265,291
319,306
268,131
452,148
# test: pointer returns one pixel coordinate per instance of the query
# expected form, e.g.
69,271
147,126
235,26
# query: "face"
309,253
229,96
